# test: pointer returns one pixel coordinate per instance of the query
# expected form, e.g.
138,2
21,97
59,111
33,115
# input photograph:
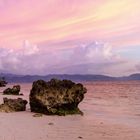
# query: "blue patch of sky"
130,52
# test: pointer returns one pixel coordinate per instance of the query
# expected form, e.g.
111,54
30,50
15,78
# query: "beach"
111,112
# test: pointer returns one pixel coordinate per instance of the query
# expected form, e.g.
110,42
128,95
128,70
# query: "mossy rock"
12,91
13,105
56,97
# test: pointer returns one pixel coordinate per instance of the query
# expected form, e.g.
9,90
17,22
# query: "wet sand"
111,112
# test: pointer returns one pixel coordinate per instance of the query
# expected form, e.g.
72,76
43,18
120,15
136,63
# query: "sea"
111,112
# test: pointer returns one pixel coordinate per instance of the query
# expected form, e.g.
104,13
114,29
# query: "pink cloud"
62,20
84,59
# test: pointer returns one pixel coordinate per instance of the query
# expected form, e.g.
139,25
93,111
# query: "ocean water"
105,99
115,101
111,112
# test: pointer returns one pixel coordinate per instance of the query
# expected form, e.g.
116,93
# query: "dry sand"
111,112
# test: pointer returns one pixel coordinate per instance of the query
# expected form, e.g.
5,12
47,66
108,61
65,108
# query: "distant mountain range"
76,77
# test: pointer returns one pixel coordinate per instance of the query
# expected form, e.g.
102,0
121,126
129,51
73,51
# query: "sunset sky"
70,37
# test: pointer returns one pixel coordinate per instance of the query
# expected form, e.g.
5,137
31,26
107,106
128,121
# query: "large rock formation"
13,105
56,97
12,91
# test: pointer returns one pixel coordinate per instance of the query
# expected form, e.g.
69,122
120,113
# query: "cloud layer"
93,58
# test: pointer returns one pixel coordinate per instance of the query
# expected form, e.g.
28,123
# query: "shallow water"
115,101
111,112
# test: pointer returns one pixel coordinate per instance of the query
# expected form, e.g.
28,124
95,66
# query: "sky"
70,37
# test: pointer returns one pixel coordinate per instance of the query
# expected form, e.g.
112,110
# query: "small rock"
3,83
80,137
13,105
38,115
50,123
12,91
